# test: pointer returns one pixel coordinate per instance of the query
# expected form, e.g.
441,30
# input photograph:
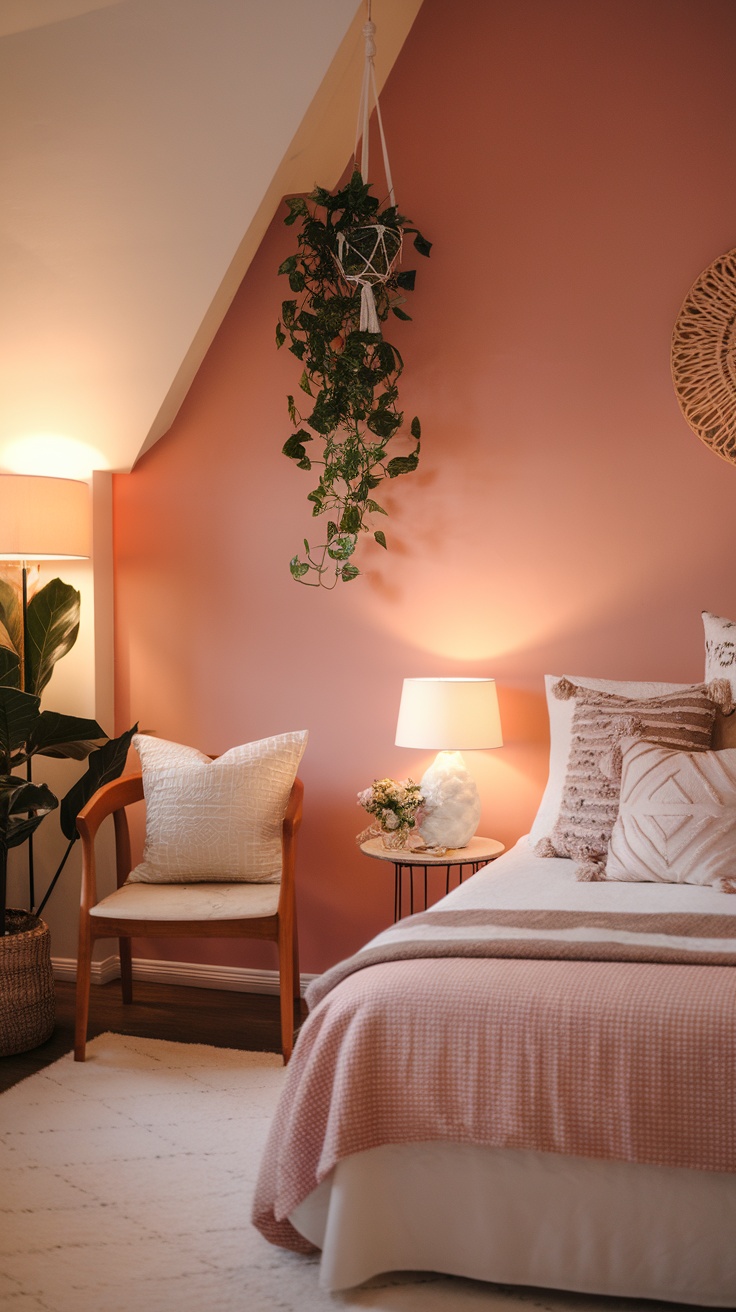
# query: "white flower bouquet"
396,805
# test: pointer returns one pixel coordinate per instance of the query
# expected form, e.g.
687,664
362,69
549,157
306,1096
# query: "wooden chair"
205,910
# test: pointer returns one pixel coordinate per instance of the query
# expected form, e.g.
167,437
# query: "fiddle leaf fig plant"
52,625
349,380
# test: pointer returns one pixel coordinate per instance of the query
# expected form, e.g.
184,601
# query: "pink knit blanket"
627,1060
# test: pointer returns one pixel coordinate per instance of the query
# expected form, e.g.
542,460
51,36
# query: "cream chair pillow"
677,817
215,820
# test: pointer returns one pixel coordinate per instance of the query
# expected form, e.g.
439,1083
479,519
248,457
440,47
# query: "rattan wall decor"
704,357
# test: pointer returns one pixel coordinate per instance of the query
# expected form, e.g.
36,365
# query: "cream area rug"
126,1183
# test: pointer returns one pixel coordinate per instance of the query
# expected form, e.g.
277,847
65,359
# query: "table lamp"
450,716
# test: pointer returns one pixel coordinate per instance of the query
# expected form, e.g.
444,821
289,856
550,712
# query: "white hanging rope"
375,263
364,111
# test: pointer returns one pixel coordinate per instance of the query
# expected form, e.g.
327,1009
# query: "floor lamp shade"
44,518
450,716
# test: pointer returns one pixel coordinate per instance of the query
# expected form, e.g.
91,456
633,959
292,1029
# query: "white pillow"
560,737
215,820
676,822
720,663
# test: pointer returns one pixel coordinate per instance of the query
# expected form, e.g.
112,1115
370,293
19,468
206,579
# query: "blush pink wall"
573,165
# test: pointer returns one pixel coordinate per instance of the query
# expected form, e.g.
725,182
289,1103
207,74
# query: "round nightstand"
468,859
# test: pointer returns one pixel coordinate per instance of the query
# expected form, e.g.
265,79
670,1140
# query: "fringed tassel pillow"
590,798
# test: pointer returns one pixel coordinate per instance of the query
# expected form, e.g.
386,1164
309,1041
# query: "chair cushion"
215,820
206,901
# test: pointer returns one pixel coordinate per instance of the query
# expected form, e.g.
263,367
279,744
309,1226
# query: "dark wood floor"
226,1019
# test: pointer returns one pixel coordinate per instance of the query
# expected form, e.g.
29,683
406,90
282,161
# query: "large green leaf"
18,798
105,764
9,669
65,735
53,625
18,714
11,617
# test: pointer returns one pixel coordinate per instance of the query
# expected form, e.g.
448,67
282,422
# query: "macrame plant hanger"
367,254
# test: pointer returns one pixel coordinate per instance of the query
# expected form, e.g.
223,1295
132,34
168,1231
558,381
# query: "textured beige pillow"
215,820
720,663
677,817
589,805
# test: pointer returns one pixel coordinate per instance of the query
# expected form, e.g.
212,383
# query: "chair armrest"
110,799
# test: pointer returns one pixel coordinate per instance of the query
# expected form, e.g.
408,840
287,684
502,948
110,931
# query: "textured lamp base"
451,802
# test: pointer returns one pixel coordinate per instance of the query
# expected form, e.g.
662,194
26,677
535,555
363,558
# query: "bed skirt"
521,1217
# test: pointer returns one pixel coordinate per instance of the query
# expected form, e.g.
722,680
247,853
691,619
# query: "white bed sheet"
521,1217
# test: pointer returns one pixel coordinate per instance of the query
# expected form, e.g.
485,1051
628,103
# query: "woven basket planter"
27,1003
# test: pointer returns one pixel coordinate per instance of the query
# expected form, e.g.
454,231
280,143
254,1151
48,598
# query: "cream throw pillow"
677,817
215,820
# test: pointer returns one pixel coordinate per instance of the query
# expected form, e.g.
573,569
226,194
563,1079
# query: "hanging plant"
346,284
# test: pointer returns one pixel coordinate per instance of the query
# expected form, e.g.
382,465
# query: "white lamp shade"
44,518
449,714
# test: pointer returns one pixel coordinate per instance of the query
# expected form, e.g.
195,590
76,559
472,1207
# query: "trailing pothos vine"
349,375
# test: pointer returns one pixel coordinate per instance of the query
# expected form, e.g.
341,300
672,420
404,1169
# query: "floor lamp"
41,519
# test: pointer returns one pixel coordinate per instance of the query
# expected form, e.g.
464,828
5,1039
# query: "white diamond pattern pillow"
215,820
677,817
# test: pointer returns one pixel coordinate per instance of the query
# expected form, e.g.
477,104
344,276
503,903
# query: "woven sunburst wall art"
704,357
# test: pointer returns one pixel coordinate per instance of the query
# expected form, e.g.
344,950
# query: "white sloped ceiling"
144,148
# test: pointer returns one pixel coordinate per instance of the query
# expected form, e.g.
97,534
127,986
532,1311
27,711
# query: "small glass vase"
395,839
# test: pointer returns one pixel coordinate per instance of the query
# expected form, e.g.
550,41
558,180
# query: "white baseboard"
193,974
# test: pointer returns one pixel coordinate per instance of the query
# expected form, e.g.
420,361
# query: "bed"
533,1082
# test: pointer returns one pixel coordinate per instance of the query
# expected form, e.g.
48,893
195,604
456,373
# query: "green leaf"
18,797
9,669
288,265
105,764
304,383
400,314
292,409
294,446
342,546
380,537
280,335
297,281
297,208
401,465
66,736
384,423
18,714
421,243
53,625
406,279
304,463
350,522
298,568
331,529
373,508
416,428
11,617
288,313
349,572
